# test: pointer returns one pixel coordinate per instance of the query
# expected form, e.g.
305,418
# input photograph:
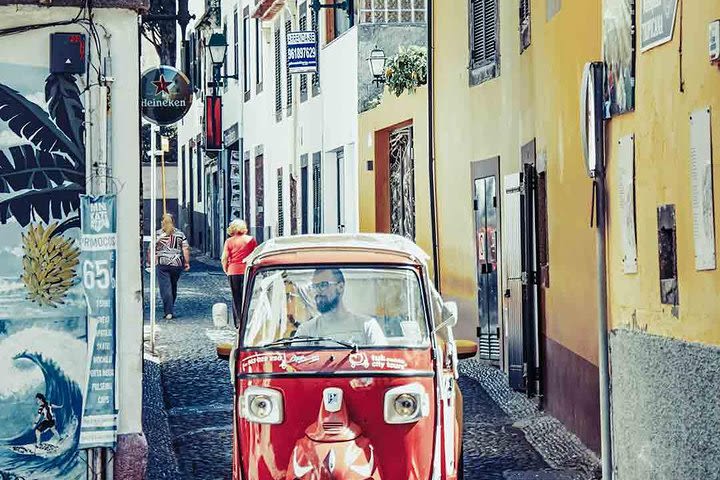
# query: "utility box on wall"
67,53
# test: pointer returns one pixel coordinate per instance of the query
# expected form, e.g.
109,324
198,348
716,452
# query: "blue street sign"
302,52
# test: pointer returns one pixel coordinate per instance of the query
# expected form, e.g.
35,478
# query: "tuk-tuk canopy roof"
336,243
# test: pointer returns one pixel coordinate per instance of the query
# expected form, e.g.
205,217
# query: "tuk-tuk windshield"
364,307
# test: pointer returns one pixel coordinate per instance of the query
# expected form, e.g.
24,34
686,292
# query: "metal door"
486,224
514,278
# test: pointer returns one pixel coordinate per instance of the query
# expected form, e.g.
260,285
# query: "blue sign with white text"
98,244
302,52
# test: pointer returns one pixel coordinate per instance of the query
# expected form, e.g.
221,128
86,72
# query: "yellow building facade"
527,113
665,355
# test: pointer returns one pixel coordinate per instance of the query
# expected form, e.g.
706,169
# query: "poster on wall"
619,56
702,189
98,244
42,308
626,194
235,186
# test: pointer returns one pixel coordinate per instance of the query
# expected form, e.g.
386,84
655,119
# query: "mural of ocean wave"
57,374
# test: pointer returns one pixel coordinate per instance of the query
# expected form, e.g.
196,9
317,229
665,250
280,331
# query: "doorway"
485,182
304,175
259,199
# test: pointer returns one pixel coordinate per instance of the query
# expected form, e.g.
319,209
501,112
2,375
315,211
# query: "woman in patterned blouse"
172,256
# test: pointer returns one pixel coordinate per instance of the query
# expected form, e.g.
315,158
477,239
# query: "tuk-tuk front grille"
330,426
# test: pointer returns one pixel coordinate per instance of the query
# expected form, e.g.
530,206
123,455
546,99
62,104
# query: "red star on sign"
161,85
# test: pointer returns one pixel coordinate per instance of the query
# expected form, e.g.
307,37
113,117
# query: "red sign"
213,123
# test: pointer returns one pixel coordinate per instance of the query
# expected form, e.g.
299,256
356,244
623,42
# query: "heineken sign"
166,95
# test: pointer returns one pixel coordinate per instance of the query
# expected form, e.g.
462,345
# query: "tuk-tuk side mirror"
223,351
449,316
465,349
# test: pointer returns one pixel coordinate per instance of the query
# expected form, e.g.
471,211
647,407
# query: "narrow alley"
188,403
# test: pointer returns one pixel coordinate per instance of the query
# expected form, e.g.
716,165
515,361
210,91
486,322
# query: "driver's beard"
325,305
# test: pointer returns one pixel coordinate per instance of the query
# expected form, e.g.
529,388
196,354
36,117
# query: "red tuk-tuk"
345,365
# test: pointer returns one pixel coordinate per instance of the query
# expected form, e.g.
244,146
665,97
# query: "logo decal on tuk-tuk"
299,360
358,360
263,358
381,361
332,398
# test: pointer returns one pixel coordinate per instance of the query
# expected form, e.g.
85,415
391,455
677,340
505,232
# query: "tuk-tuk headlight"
406,404
262,405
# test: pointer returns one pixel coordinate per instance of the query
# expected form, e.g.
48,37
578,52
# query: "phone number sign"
302,52
98,244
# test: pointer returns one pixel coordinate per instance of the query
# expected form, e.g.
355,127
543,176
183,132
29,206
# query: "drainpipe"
593,142
292,10
431,147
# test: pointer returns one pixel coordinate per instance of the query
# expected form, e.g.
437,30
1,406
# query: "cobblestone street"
188,404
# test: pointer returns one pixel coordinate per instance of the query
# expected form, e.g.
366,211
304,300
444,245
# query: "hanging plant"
407,70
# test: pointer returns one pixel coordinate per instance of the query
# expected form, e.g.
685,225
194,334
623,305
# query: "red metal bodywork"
355,443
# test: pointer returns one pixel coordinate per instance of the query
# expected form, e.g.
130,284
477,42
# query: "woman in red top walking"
236,249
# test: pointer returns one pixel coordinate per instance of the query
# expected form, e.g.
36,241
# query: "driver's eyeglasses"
317,287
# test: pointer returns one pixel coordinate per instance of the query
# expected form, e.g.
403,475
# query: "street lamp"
217,47
377,60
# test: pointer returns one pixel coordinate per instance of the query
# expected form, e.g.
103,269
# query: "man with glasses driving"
335,320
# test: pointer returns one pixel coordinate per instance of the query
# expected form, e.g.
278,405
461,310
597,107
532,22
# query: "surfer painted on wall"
46,419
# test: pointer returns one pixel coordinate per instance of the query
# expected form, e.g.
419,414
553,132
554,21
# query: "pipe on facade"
431,147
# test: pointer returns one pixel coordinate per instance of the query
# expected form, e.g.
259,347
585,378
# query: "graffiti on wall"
43,342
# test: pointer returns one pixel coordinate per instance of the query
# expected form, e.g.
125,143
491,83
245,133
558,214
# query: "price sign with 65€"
98,244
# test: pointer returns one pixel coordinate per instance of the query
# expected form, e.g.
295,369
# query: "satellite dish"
591,118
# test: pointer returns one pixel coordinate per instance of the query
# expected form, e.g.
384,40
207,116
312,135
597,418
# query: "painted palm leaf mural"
42,178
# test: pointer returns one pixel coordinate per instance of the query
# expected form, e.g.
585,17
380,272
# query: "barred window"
393,11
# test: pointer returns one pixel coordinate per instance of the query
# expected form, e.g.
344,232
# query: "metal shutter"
524,24
281,214
278,70
293,205
288,75
303,77
316,75
483,32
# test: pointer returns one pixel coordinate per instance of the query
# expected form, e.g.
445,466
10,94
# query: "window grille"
393,11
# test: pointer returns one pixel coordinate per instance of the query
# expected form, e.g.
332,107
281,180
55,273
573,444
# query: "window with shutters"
316,75
302,24
524,25
246,53
258,57
317,194
484,41
278,75
280,211
236,43
288,75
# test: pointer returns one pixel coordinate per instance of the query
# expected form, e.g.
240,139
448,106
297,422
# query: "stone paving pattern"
187,415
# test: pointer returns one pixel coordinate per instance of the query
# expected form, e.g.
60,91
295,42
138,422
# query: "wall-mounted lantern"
217,47
377,61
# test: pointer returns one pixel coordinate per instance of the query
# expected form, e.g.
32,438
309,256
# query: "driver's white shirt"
357,329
